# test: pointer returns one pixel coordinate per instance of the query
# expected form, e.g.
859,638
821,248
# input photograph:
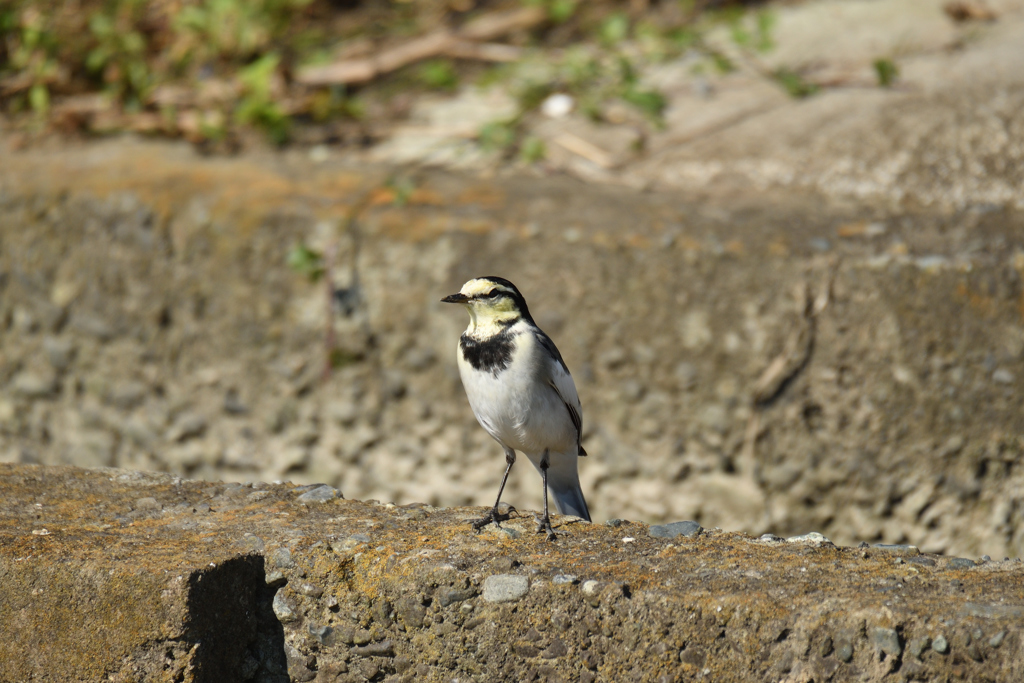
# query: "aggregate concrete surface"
125,576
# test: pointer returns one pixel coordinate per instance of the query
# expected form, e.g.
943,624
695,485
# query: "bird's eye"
493,294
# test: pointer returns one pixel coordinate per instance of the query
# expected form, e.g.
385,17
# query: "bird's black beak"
457,298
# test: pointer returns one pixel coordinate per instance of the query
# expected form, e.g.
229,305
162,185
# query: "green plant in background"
228,29
886,71
751,35
614,29
210,66
758,37
335,102
532,150
306,261
560,11
651,102
499,136
532,94
402,186
793,83
439,74
121,52
258,105
31,65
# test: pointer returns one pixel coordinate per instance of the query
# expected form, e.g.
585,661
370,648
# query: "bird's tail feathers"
564,483
568,497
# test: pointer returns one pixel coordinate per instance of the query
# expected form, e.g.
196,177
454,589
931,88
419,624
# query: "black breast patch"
489,355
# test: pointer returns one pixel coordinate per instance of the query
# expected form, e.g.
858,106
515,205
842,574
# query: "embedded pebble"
616,522
254,543
233,404
940,645
556,649
995,641
310,589
897,548
34,386
886,640
281,558
128,395
770,538
276,579
926,561
321,632
844,651
382,649
505,587
688,529
560,579
813,537
342,544
58,351
411,612
284,609
1002,376
590,587
917,646
960,563
187,426
453,595
319,494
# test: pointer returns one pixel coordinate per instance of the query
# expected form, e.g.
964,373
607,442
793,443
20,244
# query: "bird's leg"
544,525
494,515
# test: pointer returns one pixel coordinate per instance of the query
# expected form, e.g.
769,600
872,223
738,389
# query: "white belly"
517,408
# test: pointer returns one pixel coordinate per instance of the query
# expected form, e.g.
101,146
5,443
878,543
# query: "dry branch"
484,52
495,24
467,42
585,149
783,369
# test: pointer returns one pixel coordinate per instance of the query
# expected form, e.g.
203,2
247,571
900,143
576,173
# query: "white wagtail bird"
521,392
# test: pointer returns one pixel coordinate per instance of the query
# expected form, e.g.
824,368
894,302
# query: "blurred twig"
785,367
468,42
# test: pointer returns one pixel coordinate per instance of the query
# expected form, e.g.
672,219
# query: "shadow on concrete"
232,626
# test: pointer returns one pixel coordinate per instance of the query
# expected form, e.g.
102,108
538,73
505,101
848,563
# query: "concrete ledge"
115,575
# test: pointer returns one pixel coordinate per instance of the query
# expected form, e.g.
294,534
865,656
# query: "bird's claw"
494,516
544,526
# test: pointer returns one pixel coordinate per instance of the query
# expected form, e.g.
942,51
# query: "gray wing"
561,381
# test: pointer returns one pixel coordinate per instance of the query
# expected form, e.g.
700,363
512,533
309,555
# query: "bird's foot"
544,526
495,515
